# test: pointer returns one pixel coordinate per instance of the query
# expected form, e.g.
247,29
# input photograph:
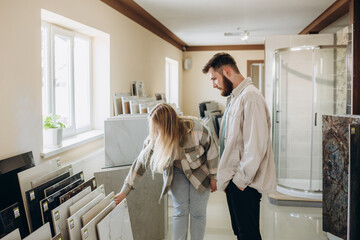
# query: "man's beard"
227,88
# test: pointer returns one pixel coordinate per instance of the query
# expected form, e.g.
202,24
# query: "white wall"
135,54
197,87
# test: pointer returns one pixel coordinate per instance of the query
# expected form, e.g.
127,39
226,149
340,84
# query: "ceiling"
204,22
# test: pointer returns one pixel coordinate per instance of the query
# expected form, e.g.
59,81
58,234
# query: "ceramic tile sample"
43,179
88,232
52,201
90,183
58,237
10,219
74,222
60,214
43,233
25,177
86,218
336,160
57,186
14,235
143,202
354,196
35,195
85,200
124,138
116,225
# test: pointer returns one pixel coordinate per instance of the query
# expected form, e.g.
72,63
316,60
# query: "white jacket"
247,158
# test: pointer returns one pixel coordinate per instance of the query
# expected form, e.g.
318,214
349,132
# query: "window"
66,77
172,81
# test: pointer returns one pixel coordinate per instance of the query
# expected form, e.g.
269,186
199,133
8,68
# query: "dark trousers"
244,207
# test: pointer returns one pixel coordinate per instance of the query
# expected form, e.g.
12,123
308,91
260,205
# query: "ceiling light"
244,35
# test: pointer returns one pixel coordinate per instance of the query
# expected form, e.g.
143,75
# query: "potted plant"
53,128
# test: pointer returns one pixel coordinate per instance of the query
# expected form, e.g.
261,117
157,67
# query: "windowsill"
72,142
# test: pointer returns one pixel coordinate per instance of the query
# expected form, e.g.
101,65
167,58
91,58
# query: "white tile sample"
14,235
74,222
60,214
116,225
58,237
40,180
86,218
42,233
85,200
25,178
88,232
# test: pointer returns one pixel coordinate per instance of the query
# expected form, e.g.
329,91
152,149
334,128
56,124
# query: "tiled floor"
276,223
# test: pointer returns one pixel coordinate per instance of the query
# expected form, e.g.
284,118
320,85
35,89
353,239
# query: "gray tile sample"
35,195
14,235
89,215
124,139
60,214
90,183
88,232
47,177
42,233
74,222
143,202
116,225
354,193
85,200
59,185
336,177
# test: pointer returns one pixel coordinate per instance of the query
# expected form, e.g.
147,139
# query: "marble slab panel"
47,177
143,202
124,138
89,215
116,225
42,233
10,219
90,183
35,195
52,201
25,178
57,186
336,164
85,200
74,222
14,235
60,214
88,232
354,206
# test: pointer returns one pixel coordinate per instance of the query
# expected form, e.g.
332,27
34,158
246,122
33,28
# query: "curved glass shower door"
307,81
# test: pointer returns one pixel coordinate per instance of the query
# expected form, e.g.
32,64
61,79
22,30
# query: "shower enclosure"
310,81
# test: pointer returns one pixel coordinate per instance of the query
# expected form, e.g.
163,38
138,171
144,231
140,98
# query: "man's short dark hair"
219,60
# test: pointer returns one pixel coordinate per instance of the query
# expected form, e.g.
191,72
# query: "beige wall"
135,54
197,87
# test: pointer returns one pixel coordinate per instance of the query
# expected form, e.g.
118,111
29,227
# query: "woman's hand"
118,198
213,185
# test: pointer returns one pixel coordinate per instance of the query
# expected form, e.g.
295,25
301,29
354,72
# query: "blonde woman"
183,150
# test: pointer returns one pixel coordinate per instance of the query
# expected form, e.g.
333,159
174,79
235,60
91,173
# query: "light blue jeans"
187,201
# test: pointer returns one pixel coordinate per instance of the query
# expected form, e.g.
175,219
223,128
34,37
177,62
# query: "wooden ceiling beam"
331,14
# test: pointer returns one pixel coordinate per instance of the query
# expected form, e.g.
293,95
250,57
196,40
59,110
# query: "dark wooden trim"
331,14
355,21
136,13
226,47
248,65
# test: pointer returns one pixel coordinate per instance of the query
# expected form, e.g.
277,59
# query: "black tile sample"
59,185
90,183
10,219
35,195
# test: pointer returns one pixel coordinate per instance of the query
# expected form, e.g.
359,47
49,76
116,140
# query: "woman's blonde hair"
165,131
